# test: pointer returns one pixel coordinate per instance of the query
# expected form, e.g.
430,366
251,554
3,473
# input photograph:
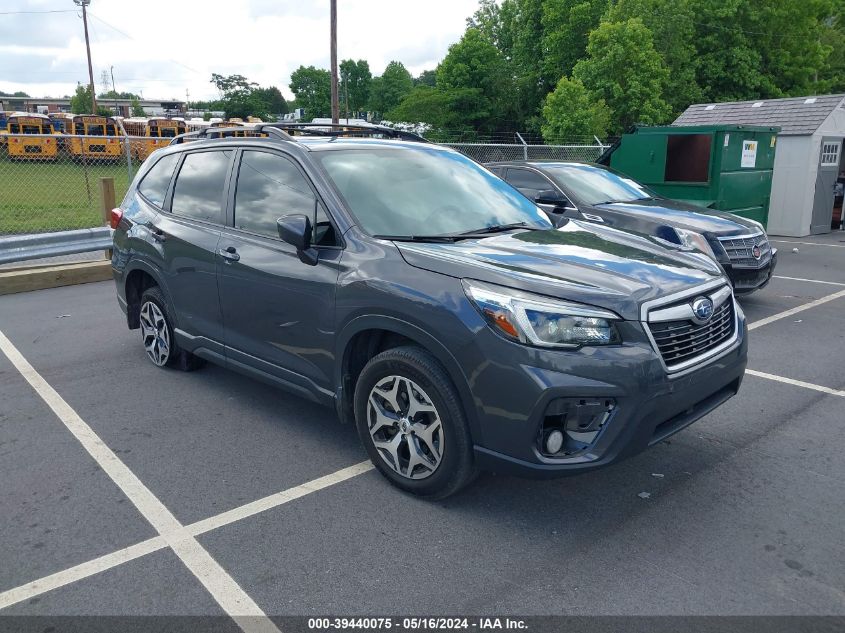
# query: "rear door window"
198,192
154,185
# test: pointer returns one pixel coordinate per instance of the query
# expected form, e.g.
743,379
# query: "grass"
36,197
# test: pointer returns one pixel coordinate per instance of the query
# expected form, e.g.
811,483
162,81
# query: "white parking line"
812,281
78,572
125,555
808,243
796,383
223,588
796,310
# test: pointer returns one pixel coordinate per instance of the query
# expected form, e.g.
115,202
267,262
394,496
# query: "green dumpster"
724,167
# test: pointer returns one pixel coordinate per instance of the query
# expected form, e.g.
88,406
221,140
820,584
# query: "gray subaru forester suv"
424,299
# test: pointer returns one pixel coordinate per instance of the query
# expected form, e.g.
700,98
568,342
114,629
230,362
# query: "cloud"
162,48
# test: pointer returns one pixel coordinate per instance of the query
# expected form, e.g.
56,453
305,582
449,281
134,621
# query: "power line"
37,12
126,35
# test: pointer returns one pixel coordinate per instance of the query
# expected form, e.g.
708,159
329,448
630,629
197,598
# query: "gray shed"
808,159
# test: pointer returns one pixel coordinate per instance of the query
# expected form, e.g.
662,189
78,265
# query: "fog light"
554,442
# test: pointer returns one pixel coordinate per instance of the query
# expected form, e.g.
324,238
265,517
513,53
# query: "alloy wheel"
405,427
155,333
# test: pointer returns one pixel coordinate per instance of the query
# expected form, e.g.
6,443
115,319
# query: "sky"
161,48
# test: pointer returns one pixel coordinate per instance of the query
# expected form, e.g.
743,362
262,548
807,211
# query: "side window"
154,185
528,182
199,186
271,186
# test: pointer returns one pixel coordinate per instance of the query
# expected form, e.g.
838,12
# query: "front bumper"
650,405
747,280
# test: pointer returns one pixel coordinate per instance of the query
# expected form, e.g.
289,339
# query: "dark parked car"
424,299
599,194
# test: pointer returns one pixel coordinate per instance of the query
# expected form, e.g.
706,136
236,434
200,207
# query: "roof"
793,115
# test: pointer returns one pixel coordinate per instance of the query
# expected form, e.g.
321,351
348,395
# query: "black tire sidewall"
456,467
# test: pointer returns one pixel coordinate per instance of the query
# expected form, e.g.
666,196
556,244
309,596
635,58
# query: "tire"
157,334
436,428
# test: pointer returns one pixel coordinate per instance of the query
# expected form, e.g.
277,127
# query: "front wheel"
410,420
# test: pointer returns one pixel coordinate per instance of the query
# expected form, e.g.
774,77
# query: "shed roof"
793,115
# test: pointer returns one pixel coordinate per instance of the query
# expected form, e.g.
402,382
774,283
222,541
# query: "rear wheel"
409,417
157,334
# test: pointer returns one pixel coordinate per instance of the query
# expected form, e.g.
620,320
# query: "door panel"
278,312
187,238
829,156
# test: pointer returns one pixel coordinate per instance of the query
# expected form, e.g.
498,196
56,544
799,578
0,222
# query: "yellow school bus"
30,136
157,132
107,144
233,123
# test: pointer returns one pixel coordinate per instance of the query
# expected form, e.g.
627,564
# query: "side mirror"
296,230
550,196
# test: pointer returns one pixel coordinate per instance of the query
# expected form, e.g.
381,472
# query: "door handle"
230,253
157,233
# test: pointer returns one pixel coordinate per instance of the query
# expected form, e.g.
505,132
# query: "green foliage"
81,102
270,101
566,27
135,105
453,109
426,78
571,114
111,94
672,24
387,91
312,88
623,68
19,94
355,80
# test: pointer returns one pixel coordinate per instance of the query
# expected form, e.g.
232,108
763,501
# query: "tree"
236,95
387,91
14,94
473,63
496,21
269,100
571,114
623,68
111,94
566,27
355,81
313,91
81,102
426,78
137,110
672,24
443,110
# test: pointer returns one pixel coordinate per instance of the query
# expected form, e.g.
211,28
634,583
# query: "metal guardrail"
18,248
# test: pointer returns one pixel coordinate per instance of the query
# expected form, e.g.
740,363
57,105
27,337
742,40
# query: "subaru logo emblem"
702,308
756,252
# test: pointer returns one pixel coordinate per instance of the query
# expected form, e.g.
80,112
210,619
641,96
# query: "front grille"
679,341
739,250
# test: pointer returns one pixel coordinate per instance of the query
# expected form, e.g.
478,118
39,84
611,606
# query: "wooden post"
333,60
108,201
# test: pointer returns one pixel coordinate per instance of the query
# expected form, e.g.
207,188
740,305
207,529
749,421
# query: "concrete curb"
29,278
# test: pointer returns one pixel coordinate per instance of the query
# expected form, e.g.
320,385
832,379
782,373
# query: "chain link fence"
52,182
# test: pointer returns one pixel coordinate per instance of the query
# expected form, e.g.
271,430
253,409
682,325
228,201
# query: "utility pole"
84,4
335,105
113,89
346,96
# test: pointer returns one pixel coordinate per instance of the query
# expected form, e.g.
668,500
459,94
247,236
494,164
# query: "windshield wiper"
496,228
643,199
420,238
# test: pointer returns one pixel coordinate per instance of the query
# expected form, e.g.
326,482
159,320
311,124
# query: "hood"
685,216
580,262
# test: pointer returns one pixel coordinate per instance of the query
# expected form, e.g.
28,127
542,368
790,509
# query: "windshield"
416,191
594,185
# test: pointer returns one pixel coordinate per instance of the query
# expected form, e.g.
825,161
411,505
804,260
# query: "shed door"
831,150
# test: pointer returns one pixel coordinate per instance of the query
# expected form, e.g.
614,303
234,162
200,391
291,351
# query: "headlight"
536,320
693,240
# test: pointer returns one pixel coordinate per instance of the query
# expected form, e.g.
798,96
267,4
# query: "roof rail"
212,132
346,129
286,131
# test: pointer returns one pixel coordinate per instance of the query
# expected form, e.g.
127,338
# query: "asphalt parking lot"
131,490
